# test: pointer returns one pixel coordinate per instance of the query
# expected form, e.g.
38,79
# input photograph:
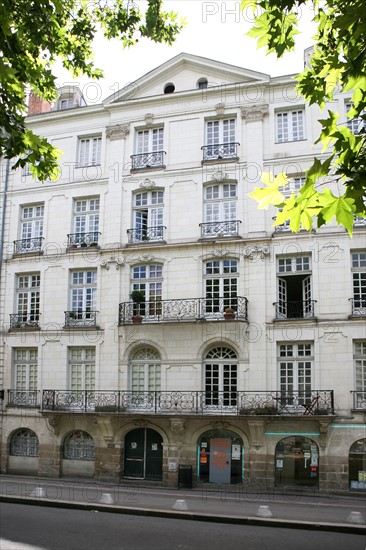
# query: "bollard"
106,498
38,492
355,517
180,505
264,512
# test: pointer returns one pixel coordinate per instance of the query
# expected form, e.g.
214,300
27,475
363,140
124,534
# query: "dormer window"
66,103
69,97
202,83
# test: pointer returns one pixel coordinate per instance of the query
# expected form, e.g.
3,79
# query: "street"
27,527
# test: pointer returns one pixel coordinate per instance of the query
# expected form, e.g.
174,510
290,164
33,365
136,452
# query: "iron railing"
20,398
358,306
282,227
148,160
359,399
220,151
83,240
252,403
295,310
24,321
220,229
359,222
188,309
25,246
146,234
79,319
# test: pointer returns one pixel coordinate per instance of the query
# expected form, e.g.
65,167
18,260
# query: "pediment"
184,72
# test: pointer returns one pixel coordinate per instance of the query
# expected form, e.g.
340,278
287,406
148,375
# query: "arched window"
202,83
357,464
145,370
220,377
79,445
24,442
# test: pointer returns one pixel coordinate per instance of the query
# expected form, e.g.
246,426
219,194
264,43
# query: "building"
154,318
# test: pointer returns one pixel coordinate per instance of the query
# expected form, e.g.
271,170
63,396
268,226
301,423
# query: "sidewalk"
227,504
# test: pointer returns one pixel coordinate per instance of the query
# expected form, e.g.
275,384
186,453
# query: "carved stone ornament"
147,184
219,425
53,424
323,428
255,252
118,131
117,262
220,252
219,176
149,119
254,113
178,427
140,423
220,109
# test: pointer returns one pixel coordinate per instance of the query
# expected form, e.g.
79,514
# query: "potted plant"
138,297
229,313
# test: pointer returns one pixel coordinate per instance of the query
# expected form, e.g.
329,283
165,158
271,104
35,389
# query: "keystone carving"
112,260
255,252
178,427
118,131
254,113
147,184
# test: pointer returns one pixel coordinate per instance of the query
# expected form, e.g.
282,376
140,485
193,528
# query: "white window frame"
290,125
149,140
295,373
290,266
221,281
90,151
31,221
83,291
148,215
359,359
220,132
25,361
81,368
352,123
145,371
220,378
86,220
28,296
220,209
358,268
149,279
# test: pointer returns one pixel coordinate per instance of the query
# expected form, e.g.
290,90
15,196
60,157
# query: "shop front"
357,465
220,457
297,462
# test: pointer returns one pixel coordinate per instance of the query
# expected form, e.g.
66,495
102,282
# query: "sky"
214,29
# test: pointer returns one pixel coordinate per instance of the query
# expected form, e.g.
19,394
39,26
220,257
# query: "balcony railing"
80,319
282,227
220,151
220,229
20,398
358,306
83,240
26,246
359,222
189,309
146,234
359,399
148,160
24,321
295,310
272,403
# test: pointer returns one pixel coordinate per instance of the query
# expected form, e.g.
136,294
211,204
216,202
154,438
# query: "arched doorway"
297,462
24,452
220,457
143,454
357,465
78,454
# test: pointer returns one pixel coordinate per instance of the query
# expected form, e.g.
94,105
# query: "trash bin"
185,475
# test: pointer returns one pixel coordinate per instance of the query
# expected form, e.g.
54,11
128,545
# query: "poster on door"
220,460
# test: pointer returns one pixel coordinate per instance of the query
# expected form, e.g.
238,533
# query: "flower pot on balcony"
136,319
229,313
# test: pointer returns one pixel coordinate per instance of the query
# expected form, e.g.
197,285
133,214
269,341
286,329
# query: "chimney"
37,105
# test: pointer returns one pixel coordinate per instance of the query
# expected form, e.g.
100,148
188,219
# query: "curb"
193,516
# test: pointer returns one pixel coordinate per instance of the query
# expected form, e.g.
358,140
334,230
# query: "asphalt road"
25,527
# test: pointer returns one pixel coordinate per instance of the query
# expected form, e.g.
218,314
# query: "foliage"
338,63
35,33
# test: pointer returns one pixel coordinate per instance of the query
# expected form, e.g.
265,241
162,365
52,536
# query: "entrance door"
220,460
143,454
297,462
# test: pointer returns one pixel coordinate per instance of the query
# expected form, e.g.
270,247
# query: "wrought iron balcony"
80,319
220,151
20,398
83,240
220,229
146,234
148,160
189,309
272,403
359,222
282,227
358,306
359,399
295,310
24,321
26,246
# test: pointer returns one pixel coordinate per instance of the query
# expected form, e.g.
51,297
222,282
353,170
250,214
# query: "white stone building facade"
245,357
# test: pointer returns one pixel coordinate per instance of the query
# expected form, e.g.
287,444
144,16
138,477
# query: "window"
25,370
24,442
221,286
81,369
83,294
79,446
295,373
294,288
148,279
90,151
147,216
149,149
221,377
352,123
220,139
145,370
359,358
86,222
220,210
290,126
66,103
202,83
293,186
31,228
28,291
359,283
